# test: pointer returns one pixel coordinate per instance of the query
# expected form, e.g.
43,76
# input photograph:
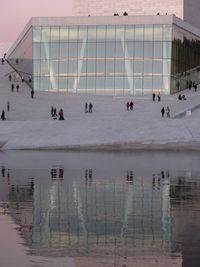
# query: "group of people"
182,97
129,105
88,107
167,111
55,116
192,84
158,96
13,78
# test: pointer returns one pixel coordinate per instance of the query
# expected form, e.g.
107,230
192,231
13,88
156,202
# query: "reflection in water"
78,213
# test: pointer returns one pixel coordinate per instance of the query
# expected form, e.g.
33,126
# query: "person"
55,114
32,93
2,61
8,106
131,105
61,115
125,14
86,107
184,98
154,96
52,109
22,79
127,105
195,87
179,97
17,87
3,115
90,107
168,112
158,96
12,87
163,111
10,77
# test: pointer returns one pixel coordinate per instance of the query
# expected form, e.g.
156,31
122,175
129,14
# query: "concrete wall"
192,12
133,7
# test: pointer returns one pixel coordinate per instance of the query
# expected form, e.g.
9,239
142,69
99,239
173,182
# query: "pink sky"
16,13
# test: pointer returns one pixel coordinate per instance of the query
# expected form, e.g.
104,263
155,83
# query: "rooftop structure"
113,55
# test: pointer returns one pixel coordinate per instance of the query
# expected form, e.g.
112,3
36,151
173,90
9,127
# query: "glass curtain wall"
103,59
21,59
185,59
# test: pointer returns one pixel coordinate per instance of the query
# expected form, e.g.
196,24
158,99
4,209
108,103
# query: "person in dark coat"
10,77
131,105
163,111
3,115
32,93
8,106
154,96
12,87
86,107
52,109
61,115
90,107
17,87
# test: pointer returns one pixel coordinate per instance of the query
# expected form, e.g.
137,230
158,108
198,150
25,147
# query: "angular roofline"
104,20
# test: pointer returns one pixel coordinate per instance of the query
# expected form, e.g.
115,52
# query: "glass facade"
131,59
103,59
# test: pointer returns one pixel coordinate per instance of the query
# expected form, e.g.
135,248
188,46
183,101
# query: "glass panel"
157,67
129,32
73,50
101,33
72,68
63,83
44,83
110,67
45,68
63,67
148,49
53,67
91,66
120,33
64,50
139,50
158,33
119,67
147,84
91,52
157,83
55,31
137,84
63,34
167,33
100,65
36,83
100,84
82,84
91,84
119,85
110,50
110,33
166,67
36,34
36,67
54,50
92,33
166,49
148,32
158,50
101,50
138,67
53,85
82,33
45,51
109,89
73,33
148,67
45,34
129,49
139,31
36,51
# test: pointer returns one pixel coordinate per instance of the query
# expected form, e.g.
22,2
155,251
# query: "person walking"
86,107
168,112
32,93
61,115
163,111
90,107
158,96
8,106
131,105
12,87
52,109
127,105
3,115
17,87
10,77
154,96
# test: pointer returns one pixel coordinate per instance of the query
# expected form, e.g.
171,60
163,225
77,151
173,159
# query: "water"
99,209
